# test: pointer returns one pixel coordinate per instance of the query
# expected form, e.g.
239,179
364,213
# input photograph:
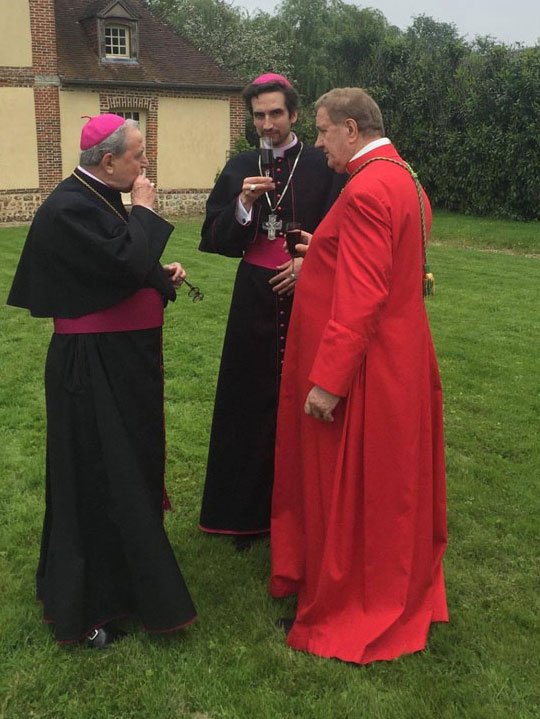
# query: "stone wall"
182,202
19,205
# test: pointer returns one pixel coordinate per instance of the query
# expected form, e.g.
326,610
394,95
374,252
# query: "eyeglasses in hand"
194,292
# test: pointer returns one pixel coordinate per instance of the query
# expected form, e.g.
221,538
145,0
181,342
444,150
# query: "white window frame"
108,40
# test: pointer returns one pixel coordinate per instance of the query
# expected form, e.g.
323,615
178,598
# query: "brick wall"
238,117
20,204
179,201
114,99
46,88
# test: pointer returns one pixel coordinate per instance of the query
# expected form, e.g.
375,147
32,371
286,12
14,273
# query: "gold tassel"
429,282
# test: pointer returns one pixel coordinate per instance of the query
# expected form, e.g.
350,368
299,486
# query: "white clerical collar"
280,151
81,169
371,146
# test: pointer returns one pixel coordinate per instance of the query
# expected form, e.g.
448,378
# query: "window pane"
116,41
129,114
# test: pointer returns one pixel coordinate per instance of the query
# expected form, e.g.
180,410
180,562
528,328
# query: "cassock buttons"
282,324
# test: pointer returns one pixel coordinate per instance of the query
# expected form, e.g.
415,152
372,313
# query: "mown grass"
485,233
234,663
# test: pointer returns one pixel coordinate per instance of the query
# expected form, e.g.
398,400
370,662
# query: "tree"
245,44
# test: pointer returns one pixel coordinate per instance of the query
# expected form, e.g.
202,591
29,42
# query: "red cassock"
359,505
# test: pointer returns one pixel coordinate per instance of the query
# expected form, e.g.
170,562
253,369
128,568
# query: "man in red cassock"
359,506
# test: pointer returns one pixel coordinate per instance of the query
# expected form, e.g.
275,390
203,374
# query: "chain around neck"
273,209
92,189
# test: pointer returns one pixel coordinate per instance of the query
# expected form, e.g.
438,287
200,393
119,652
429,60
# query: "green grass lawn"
233,663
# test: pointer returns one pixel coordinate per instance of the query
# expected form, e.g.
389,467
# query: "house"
61,59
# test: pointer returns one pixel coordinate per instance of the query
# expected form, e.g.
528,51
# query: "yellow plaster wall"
72,106
16,45
193,139
18,142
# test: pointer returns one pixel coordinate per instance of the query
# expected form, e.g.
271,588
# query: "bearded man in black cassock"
96,271
246,216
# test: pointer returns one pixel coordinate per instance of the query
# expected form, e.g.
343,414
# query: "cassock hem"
116,618
171,629
323,649
233,531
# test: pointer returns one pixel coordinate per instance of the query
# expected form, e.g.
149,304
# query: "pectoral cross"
272,225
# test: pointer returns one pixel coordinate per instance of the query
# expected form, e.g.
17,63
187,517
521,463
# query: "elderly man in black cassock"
95,270
246,216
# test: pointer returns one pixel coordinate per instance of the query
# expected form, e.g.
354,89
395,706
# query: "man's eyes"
274,113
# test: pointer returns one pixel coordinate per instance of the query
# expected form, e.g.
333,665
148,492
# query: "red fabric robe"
359,505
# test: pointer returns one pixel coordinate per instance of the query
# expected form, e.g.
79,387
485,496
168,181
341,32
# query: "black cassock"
240,470
104,553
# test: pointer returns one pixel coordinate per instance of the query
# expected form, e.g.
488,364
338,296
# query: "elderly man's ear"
352,129
107,163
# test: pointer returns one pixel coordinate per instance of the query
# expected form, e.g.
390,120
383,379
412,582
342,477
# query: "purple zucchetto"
271,77
99,128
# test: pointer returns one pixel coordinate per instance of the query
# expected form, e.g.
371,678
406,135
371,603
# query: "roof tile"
164,55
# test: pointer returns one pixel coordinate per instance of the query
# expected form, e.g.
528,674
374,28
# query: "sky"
508,21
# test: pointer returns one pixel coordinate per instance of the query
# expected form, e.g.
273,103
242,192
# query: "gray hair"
343,103
115,143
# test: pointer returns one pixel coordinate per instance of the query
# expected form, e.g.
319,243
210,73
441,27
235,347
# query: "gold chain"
428,279
101,197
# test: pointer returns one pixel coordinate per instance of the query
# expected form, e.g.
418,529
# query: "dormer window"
116,25
117,41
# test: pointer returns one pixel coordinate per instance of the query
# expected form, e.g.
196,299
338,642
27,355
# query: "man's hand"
176,273
253,188
320,404
143,192
284,282
302,247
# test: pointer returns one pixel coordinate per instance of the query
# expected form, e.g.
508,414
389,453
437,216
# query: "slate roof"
165,58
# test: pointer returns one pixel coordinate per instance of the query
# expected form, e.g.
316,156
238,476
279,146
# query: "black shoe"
103,637
243,542
285,623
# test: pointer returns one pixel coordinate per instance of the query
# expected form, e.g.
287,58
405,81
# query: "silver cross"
272,225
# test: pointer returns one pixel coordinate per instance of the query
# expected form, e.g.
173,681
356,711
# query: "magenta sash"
266,253
141,311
